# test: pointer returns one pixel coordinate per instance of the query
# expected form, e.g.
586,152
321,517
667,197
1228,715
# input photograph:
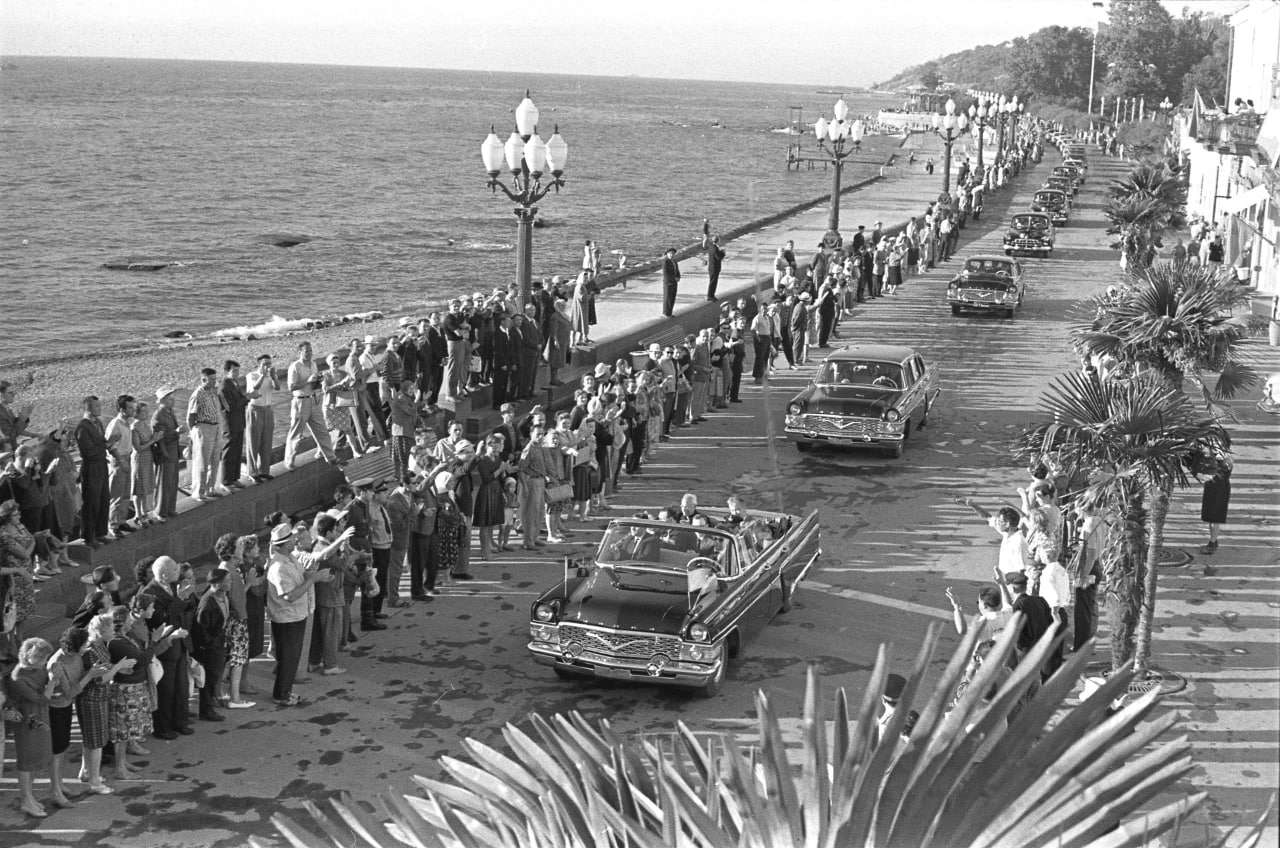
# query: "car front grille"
613,644
1028,244
836,425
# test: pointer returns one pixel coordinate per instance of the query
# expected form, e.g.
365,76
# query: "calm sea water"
206,163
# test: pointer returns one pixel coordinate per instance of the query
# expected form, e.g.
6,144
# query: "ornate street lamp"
844,137
528,158
1166,109
949,127
1004,115
980,115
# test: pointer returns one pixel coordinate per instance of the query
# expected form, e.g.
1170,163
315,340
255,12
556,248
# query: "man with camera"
304,382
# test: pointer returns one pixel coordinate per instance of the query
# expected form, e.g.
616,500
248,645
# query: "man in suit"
91,439
531,345
174,606
715,258
209,642
512,442
235,404
439,351
1037,619
640,545
399,506
859,239
504,360
670,281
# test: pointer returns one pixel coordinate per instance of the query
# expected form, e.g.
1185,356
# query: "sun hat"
507,407
602,369
370,339
406,321
163,392
281,533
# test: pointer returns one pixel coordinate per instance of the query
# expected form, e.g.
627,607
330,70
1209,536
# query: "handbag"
155,671
196,673
559,493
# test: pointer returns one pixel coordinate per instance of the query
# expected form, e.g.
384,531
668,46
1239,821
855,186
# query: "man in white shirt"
305,380
119,436
204,419
261,385
1015,556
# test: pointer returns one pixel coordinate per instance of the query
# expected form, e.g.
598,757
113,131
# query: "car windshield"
1048,197
988,266
1030,222
860,372
666,547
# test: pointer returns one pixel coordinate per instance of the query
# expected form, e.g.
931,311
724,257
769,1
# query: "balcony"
1233,135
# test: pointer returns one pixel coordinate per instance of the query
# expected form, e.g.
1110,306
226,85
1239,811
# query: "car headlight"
545,612
698,632
795,409
893,415
696,653
545,633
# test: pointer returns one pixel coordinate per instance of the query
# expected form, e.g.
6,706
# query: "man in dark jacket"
235,403
670,281
504,361
531,344
209,642
1037,620
174,606
91,439
715,257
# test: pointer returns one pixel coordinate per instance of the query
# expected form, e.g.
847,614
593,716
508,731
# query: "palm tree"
1136,439
965,774
1141,207
1182,320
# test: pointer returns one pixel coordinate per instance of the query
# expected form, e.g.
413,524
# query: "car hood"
848,400
629,599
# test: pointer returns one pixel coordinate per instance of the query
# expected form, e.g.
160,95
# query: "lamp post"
1166,107
845,137
528,158
980,117
949,127
1093,61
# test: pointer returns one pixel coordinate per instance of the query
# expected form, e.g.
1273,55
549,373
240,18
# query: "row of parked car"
1033,231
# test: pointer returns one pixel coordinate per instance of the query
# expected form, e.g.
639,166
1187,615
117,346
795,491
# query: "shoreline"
55,385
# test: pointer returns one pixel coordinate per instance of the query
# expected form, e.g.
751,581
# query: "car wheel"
804,447
712,687
896,449
955,310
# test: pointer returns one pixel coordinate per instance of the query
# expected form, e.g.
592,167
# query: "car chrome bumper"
675,672
979,304
805,434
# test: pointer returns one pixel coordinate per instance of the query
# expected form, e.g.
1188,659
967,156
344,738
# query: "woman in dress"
1216,498
448,521
70,674
130,692
236,628
17,547
559,340
488,511
585,469
93,704
144,470
64,492
338,406
252,566
28,689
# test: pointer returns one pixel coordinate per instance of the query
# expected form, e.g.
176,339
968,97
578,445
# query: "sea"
373,177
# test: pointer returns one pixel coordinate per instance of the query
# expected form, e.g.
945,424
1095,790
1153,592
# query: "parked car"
988,284
1029,232
668,603
1079,166
863,396
1053,202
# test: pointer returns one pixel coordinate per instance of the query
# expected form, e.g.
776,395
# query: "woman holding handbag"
338,406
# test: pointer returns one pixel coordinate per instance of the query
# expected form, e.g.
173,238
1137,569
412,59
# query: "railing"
1238,132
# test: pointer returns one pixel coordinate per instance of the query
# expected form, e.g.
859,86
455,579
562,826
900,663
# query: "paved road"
456,667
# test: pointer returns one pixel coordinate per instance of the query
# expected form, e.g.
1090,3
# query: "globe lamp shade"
557,153
491,153
526,116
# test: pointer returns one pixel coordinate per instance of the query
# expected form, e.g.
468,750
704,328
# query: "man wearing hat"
1037,619
290,602
877,234
670,281
168,449
103,587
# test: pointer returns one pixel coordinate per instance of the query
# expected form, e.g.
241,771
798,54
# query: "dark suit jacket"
170,609
208,633
438,346
1039,618
91,439
505,351
670,271
234,404
715,256
164,421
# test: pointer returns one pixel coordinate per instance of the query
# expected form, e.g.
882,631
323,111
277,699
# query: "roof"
1027,213
883,352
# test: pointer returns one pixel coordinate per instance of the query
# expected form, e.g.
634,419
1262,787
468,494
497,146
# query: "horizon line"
820,87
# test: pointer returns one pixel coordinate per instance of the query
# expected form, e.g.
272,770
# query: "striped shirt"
203,408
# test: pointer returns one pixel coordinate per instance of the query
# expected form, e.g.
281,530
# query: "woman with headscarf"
448,523
558,340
